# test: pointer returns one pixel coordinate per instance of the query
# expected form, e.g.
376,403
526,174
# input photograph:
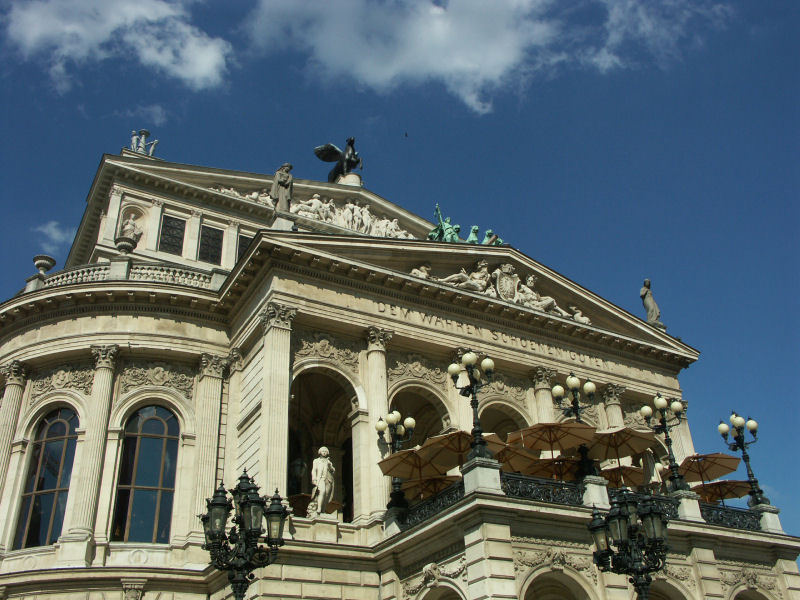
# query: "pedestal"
595,492
482,475
353,179
769,518
689,507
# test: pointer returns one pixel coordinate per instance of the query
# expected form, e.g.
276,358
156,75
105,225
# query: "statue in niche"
527,296
322,471
477,281
653,312
346,160
282,187
129,229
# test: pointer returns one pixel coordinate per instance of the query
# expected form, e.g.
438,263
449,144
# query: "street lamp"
469,360
238,552
666,412
631,539
739,425
399,434
586,466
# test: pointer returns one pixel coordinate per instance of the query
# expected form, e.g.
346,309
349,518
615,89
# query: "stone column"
377,405
90,469
542,378
235,367
274,453
612,394
208,399
15,373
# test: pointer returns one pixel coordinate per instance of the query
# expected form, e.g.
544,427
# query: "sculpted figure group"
502,283
354,215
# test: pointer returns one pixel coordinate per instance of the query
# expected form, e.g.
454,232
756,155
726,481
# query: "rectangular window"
171,239
210,249
244,242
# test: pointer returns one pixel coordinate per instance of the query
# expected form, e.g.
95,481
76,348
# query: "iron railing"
728,516
552,491
434,505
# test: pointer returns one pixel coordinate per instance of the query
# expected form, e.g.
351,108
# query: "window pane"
66,469
51,461
33,468
170,460
56,429
210,249
171,239
143,516
126,461
40,520
120,515
244,242
23,520
172,425
164,518
148,467
58,517
154,426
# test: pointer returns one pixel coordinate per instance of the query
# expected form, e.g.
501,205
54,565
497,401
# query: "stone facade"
295,341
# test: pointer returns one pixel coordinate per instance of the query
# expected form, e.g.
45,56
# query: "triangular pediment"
456,273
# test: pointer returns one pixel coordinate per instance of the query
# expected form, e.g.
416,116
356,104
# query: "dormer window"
210,248
171,238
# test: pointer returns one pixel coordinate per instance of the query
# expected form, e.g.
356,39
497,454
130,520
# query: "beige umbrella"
620,441
623,475
552,436
515,459
565,469
422,488
407,464
707,467
451,449
717,491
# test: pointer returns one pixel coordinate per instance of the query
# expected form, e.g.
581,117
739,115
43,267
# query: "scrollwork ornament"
432,574
751,579
557,559
323,345
15,373
212,365
685,575
63,377
235,361
105,356
509,387
277,315
159,373
414,366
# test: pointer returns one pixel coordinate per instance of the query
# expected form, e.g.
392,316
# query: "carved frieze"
556,558
509,387
414,366
160,373
432,573
63,377
684,575
750,578
317,344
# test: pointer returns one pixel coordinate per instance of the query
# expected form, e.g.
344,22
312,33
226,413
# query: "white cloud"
54,236
150,114
157,33
474,47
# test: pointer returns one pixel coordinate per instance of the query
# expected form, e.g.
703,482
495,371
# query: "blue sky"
610,140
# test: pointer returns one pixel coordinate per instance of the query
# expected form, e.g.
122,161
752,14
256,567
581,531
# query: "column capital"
15,372
212,365
235,361
277,315
612,393
458,353
377,338
133,587
542,377
105,356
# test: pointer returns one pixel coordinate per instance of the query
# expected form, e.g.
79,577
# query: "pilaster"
16,377
153,226
276,320
542,379
228,466
191,236
230,243
490,561
377,405
112,214
612,396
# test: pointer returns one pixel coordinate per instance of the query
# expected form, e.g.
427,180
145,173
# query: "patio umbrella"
515,459
707,467
407,464
565,469
552,436
620,441
422,488
451,449
716,491
623,475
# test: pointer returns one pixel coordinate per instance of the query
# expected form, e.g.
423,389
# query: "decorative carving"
548,542
105,357
133,588
212,365
649,302
542,377
507,386
61,378
557,558
750,578
282,187
551,491
277,315
137,374
15,373
377,339
323,345
683,574
235,361
612,393
634,419
432,573
414,366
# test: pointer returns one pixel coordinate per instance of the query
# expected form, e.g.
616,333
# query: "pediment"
488,279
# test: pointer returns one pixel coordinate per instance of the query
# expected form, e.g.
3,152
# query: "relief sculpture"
414,366
317,344
62,377
137,374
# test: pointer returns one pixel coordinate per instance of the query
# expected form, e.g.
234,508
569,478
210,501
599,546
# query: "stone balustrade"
138,272
83,274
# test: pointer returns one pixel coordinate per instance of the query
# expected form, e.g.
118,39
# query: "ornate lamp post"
587,465
666,412
631,540
739,424
399,434
238,552
469,361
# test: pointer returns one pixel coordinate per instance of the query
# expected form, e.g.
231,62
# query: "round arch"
152,394
742,592
444,590
343,377
545,584
49,402
663,589
499,416
426,404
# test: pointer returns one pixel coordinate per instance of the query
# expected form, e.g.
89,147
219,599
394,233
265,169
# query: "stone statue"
140,144
346,160
423,271
653,313
282,187
527,296
313,208
577,316
129,229
134,141
477,281
322,471
506,282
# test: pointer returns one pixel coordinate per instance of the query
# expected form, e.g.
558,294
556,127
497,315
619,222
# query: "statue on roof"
649,302
446,232
346,160
140,144
282,187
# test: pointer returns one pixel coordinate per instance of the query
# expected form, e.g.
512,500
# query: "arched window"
47,484
146,477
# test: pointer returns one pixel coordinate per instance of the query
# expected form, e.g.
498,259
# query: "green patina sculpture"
445,232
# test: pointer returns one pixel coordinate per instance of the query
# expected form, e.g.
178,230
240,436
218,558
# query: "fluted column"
16,374
612,395
89,472
542,378
208,399
378,405
274,454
